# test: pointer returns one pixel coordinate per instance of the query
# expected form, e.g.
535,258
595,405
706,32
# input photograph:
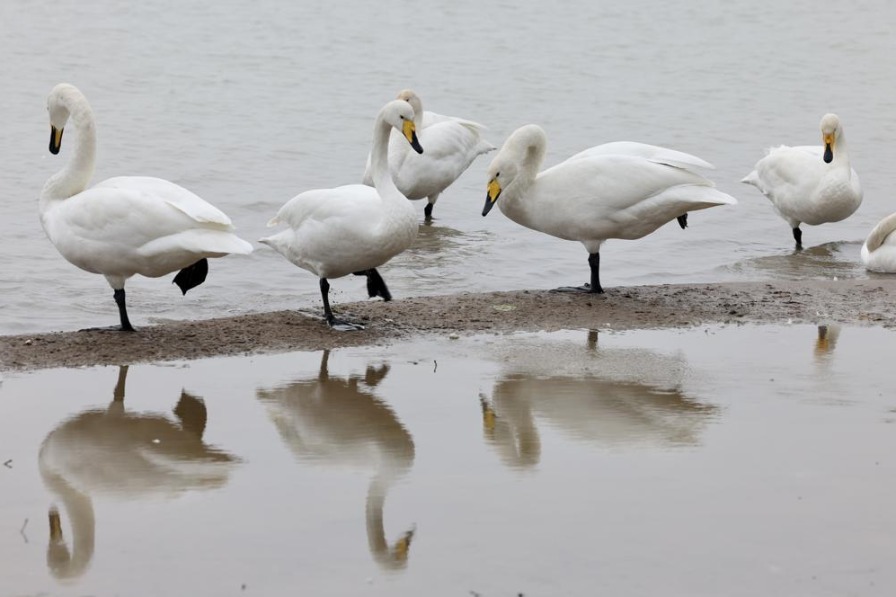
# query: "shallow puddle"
714,461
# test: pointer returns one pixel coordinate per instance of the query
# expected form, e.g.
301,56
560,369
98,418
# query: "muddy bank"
862,302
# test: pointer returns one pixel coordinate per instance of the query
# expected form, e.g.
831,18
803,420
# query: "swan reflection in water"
339,421
115,452
616,398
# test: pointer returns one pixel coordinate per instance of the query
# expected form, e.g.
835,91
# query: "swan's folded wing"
173,194
655,153
350,202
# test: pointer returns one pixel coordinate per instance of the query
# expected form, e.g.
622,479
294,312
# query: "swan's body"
114,452
810,184
337,421
595,195
451,146
129,224
352,229
879,249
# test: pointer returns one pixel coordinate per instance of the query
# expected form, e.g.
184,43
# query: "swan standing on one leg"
451,146
592,198
352,229
129,224
810,184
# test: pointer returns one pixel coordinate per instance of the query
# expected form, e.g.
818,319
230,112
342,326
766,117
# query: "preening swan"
592,197
352,229
129,224
810,184
451,146
879,250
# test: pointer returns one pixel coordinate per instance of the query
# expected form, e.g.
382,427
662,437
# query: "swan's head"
400,115
412,98
830,132
524,148
59,103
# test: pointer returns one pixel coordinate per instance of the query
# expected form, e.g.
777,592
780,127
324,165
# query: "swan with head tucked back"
597,194
352,229
810,184
451,146
879,249
128,224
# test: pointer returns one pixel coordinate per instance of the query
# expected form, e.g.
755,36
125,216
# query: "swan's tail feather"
274,221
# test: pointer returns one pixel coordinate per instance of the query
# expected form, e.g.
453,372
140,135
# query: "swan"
128,224
338,421
879,249
352,229
593,197
451,146
810,184
115,452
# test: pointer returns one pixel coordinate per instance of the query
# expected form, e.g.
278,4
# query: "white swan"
352,229
879,249
451,146
129,224
591,198
810,184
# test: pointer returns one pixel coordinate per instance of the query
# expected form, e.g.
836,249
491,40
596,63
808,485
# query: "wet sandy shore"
859,302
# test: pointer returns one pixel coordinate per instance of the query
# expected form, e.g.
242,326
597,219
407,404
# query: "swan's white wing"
655,153
449,147
175,195
616,196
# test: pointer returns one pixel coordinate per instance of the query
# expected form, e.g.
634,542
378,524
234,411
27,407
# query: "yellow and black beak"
494,191
55,139
410,133
828,148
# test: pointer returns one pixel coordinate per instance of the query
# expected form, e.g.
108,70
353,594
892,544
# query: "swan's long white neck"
76,175
841,155
526,147
392,200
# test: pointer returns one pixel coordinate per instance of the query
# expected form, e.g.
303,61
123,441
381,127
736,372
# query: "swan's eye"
400,116
497,174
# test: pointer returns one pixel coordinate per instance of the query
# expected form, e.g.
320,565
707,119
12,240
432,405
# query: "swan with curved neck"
352,229
129,224
879,249
451,146
810,184
595,195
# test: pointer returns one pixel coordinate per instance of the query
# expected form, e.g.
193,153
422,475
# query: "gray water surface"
249,103
712,461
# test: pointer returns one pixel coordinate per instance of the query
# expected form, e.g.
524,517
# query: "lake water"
735,460
249,103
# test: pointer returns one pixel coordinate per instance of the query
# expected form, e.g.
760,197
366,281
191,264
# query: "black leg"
798,237
192,276
594,287
122,311
427,212
683,221
332,321
376,286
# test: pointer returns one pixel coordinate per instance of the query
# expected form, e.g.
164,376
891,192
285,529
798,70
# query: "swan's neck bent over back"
76,175
527,151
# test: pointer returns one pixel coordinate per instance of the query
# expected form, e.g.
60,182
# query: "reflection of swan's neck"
391,557
76,175
65,564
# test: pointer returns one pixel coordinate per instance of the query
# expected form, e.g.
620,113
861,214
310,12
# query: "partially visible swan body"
129,224
451,146
879,249
352,229
810,184
595,196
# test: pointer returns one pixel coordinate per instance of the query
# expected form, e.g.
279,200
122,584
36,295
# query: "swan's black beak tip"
416,144
55,140
488,206
828,153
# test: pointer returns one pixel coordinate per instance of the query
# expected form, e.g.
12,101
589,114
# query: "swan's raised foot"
191,276
683,221
376,286
584,289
